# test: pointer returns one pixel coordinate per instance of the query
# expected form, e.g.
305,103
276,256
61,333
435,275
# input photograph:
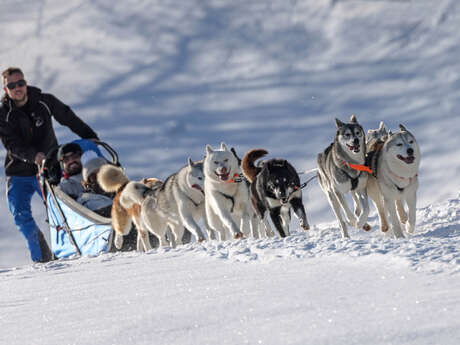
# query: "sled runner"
74,229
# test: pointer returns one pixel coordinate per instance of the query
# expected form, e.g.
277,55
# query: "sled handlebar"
110,150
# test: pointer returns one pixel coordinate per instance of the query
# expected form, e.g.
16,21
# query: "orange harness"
359,167
236,178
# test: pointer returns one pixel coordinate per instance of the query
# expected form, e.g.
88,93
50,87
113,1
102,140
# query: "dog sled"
74,229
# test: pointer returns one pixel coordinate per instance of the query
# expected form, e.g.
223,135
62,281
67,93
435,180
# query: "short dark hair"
9,71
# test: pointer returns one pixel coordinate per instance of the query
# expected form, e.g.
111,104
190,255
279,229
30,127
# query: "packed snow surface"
159,80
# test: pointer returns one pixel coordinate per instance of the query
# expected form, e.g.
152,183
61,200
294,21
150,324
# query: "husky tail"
111,178
247,163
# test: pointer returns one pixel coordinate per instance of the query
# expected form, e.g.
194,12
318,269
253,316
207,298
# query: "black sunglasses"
13,84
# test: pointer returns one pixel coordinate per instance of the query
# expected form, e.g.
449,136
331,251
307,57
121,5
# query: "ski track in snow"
434,248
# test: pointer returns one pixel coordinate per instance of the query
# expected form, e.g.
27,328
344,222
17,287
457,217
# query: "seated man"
69,157
93,197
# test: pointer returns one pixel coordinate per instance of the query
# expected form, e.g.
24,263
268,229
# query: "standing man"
27,133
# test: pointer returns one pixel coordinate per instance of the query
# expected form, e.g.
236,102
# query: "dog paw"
306,227
238,235
384,228
366,227
410,228
201,239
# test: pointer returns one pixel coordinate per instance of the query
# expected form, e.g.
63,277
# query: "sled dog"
177,204
395,180
274,188
226,195
127,203
341,170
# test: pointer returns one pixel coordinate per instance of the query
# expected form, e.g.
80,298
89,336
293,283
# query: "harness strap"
229,197
359,167
237,178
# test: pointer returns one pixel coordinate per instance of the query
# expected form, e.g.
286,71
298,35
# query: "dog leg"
374,193
401,212
225,217
275,215
350,217
335,205
177,233
357,203
191,225
299,211
143,241
255,227
268,229
412,208
364,202
286,219
395,224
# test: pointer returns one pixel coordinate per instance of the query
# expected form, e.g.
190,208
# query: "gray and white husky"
227,200
395,180
341,170
177,204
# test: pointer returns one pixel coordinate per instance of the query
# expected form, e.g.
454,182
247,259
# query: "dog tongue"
224,177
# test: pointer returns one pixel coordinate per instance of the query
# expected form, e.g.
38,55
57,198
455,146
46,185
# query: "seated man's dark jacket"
28,130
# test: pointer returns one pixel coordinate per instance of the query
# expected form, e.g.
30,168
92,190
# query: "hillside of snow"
160,79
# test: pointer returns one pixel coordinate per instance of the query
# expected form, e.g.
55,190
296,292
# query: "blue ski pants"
20,190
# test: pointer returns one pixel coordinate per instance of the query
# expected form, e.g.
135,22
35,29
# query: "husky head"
195,176
402,152
281,180
375,136
220,165
350,137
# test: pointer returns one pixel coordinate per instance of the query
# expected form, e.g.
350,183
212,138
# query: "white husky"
396,180
181,198
227,200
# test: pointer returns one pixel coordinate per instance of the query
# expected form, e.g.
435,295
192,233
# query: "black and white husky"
395,180
275,187
341,170
177,205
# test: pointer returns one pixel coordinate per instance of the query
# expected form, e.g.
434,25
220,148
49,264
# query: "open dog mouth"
224,176
407,160
284,201
198,188
354,148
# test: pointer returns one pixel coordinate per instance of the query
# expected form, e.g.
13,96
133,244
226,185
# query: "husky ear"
390,133
208,150
353,119
381,126
339,123
190,162
223,147
402,128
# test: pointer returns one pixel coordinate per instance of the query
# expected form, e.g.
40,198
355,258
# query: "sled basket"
74,229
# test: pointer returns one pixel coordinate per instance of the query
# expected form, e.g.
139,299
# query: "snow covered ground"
160,79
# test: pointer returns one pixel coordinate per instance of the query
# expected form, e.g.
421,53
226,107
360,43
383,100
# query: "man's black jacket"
28,130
